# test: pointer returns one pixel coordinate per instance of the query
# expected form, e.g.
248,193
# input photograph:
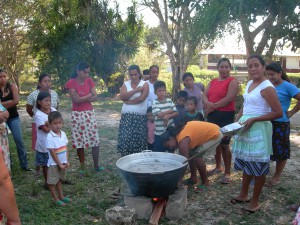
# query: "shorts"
55,174
252,168
210,145
41,158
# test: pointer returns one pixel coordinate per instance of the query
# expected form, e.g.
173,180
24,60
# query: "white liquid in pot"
153,166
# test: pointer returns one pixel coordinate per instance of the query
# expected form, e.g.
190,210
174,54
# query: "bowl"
232,129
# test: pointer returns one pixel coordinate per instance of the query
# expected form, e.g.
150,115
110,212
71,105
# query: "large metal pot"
152,174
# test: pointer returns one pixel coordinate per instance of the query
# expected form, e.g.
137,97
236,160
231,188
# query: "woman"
219,101
153,74
193,89
44,84
191,138
10,99
133,124
8,205
281,127
82,91
252,148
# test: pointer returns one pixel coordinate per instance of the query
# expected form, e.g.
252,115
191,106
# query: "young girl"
43,105
192,114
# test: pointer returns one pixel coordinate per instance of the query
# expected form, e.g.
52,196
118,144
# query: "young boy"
182,97
151,128
58,157
163,110
192,114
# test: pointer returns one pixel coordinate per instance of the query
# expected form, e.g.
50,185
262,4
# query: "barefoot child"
192,114
43,105
58,157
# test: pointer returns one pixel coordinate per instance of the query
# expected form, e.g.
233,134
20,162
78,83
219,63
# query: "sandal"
225,180
214,172
66,200
252,210
99,169
238,201
60,203
293,207
200,188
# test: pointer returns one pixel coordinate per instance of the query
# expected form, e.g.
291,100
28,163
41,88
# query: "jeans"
15,128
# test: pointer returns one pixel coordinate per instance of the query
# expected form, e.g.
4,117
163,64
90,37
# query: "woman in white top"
154,72
253,147
133,124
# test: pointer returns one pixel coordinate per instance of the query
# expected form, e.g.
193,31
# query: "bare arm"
296,107
272,99
183,146
8,203
75,97
141,98
29,110
232,92
94,95
15,101
209,106
239,115
45,128
4,116
125,96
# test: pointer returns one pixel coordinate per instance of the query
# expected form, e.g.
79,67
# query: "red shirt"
218,90
82,90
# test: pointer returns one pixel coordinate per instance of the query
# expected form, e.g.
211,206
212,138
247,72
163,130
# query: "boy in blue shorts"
163,110
58,158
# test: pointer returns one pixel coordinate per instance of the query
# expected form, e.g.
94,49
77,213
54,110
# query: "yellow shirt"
199,132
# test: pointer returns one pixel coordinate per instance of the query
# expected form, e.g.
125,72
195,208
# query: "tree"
64,33
179,33
263,25
14,47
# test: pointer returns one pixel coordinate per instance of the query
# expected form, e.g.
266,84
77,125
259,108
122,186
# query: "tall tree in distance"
263,25
179,33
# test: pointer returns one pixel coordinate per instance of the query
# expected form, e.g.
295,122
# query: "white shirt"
151,96
137,108
254,103
40,119
59,146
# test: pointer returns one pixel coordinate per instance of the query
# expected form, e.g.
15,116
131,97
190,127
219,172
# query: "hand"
47,124
67,165
139,89
289,114
62,166
210,107
166,120
248,123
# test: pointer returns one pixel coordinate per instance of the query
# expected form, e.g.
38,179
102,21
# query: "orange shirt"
199,132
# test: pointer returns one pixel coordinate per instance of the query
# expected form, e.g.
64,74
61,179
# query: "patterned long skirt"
132,134
84,129
280,141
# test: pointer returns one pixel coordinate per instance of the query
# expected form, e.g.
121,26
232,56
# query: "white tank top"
138,108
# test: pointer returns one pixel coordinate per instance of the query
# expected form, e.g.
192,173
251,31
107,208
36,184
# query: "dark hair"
53,116
153,66
223,60
41,77
80,67
8,84
182,94
185,75
135,67
146,72
261,60
193,99
171,132
40,97
149,109
159,84
276,67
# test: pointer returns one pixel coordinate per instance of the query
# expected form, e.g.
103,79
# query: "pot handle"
146,151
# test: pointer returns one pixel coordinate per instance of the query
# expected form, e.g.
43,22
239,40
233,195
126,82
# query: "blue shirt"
285,91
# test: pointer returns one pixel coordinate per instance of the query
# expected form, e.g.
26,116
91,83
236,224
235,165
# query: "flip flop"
293,207
200,188
99,169
252,210
238,201
214,172
60,203
66,200
225,180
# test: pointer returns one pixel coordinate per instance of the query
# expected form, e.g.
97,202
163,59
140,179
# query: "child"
58,157
192,114
43,105
182,97
151,128
163,110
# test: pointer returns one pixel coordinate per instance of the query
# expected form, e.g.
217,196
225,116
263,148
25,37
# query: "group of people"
265,115
151,120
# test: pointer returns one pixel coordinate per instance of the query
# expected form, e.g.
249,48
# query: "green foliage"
63,33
